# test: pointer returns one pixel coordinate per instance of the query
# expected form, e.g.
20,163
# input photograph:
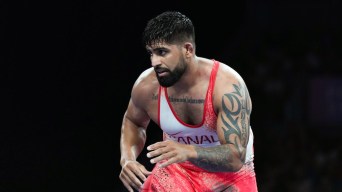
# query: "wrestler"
203,107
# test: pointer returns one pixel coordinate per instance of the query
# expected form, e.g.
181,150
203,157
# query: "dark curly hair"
169,27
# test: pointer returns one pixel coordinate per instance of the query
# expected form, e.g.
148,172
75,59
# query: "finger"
125,181
157,145
140,174
156,152
157,159
169,162
145,171
164,156
135,182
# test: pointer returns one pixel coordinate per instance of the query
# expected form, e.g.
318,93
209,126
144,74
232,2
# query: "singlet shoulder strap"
212,83
213,74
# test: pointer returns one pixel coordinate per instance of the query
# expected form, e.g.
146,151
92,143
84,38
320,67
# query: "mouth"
161,72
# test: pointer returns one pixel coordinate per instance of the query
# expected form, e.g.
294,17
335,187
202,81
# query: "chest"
188,109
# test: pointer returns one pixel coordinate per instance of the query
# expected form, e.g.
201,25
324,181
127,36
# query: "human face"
168,62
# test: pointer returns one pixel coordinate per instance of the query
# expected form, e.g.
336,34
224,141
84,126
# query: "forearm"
131,143
223,158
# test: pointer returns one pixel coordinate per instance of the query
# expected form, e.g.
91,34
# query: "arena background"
68,68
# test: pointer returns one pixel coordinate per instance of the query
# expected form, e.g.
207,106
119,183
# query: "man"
202,106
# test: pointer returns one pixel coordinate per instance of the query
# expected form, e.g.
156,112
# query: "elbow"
236,163
237,166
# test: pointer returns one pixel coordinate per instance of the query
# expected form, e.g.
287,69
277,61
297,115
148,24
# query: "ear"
189,49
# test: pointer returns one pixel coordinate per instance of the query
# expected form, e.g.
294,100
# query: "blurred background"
68,68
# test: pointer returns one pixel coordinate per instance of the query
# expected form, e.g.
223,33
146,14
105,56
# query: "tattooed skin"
183,99
235,116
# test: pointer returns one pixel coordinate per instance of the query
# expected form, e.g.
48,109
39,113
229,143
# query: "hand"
171,151
132,173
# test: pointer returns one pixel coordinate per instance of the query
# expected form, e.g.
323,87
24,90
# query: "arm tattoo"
236,110
236,117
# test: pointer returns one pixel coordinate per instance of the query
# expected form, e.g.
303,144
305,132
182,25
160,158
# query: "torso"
177,128
188,104
147,91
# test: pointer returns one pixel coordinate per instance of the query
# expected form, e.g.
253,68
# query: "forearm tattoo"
235,117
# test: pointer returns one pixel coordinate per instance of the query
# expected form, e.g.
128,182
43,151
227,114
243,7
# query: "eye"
161,52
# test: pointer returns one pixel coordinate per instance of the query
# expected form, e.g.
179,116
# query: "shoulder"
229,82
144,87
225,73
227,77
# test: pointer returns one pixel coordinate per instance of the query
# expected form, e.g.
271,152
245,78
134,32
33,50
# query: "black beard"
168,80
173,76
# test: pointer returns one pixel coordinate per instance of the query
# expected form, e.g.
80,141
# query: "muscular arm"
132,141
233,131
133,133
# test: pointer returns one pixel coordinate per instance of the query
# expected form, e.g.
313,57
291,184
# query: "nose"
155,60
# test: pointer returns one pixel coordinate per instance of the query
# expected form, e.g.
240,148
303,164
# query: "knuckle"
162,150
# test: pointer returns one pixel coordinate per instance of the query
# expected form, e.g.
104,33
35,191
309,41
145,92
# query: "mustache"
159,69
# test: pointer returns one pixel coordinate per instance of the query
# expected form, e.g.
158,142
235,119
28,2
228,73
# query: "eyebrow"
156,49
159,48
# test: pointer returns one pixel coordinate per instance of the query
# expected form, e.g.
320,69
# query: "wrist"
193,152
123,161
